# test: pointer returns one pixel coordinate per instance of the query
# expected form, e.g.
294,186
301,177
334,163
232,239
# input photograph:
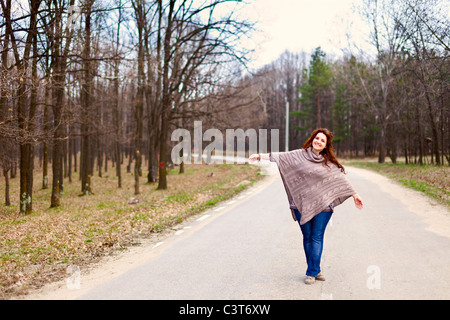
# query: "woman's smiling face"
319,142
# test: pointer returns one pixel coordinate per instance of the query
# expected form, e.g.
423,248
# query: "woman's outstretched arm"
259,156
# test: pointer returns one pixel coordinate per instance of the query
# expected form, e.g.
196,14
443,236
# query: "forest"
91,83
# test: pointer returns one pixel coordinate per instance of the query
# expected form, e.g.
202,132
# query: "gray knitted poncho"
311,186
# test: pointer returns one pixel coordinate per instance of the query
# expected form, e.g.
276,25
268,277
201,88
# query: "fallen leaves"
38,248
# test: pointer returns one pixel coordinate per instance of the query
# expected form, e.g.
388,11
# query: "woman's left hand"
358,201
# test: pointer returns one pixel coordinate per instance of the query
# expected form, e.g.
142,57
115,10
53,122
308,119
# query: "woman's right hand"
254,157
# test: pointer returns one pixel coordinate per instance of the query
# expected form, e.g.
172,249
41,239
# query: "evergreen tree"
315,93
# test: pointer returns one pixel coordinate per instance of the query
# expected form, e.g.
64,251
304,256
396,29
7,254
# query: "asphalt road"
250,248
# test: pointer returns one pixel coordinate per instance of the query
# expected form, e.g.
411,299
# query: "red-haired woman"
315,183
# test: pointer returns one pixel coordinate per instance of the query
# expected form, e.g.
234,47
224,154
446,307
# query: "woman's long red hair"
327,152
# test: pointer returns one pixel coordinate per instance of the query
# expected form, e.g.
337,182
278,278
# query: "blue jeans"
313,233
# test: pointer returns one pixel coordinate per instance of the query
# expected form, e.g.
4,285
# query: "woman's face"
319,142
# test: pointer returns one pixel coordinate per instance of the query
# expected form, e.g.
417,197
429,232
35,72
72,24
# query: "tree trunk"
46,130
116,117
162,183
4,144
165,107
5,174
155,109
382,146
434,131
319,122
419,134
136,172
116,124
86,97
57,152
139,8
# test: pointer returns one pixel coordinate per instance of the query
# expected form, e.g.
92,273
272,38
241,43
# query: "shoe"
310,280
320,277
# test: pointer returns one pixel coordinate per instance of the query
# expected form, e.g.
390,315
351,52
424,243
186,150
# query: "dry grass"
38,248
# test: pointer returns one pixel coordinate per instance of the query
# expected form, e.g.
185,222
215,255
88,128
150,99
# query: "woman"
315,183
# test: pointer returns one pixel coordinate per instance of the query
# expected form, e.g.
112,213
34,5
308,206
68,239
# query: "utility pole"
286,142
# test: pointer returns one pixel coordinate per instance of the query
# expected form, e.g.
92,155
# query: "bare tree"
139,7
388,39
422,21
61,38
86,161
190,43
26,112
116,82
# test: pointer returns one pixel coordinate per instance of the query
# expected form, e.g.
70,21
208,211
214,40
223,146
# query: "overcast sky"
298,25
301,25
